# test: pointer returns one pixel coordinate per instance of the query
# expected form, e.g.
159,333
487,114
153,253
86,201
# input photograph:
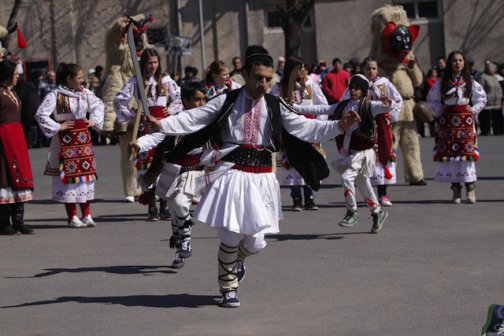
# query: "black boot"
17,215
163,210
5,226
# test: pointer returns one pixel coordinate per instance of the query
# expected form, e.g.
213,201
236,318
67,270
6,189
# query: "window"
421,9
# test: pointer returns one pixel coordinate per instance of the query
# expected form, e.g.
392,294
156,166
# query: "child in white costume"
456,150
177,181
62,116
384,174
163,98
357,157
305,92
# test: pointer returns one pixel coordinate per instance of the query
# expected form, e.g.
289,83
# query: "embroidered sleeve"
311,130
478,98
122,100
175,105
43,116
190,121
149,141
96,110
434,99
395,96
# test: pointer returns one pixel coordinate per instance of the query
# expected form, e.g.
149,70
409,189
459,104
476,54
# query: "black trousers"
12,214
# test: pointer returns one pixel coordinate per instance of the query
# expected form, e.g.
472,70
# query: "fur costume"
398,65
119,69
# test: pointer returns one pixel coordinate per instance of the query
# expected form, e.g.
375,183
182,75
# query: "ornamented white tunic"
81,104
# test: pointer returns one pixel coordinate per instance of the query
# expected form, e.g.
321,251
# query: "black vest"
309,163
363,136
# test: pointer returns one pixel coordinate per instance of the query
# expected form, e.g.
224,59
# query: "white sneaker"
88,221
75,222
130,199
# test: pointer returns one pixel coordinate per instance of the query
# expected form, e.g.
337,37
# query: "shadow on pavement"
124,269
284,237
155,301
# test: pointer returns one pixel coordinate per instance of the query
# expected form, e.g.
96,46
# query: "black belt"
250,156
184,169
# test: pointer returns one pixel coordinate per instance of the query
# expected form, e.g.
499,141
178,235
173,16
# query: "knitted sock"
227,258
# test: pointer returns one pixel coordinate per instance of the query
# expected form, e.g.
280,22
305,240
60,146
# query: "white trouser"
349,178
253,244
179,205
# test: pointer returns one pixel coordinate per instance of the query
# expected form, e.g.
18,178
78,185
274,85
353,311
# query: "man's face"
258,80
338,65
197,100
441,63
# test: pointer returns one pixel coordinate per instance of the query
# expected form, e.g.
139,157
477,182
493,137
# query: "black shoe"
8,231
23,229
178,262
164,215
418,183
298,204
310,204
240,270
229,300
185,250
153,214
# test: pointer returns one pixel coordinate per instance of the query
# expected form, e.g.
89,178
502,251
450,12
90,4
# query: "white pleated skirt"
73,192
242,202
455,171
379,174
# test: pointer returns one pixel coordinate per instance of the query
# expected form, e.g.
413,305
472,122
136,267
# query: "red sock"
71,210
85,209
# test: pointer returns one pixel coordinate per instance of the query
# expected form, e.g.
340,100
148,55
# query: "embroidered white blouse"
248,122
478,98
81,103
172,100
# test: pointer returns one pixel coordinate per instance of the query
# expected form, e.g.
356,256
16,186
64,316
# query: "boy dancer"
176,183
357,156
243,200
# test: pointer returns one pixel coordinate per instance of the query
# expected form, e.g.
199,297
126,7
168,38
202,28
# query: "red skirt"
77,161
455,137
16,155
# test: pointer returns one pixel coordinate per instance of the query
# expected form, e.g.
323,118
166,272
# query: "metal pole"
179,33
202,39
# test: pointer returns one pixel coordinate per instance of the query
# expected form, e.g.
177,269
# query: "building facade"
74,31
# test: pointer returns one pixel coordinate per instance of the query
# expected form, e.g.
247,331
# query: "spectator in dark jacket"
29,92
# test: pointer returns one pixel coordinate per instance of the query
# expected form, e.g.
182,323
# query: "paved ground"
433,270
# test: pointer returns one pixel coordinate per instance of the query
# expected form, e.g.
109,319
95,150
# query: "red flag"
21,39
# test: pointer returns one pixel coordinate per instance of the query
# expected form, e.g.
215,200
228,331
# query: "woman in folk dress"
71,161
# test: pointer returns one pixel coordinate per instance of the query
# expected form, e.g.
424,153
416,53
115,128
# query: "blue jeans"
296,192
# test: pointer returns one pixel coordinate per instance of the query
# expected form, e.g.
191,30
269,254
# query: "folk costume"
177,185
71,160
311,94
214,89
393,38
168,97
456,150
16,180
385,166
119,69
242,198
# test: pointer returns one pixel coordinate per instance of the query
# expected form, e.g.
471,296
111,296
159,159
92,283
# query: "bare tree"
12,20
293,17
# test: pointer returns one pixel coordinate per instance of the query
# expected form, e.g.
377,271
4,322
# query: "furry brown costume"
119,69
399,65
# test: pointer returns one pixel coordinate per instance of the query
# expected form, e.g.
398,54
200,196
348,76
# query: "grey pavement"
433,270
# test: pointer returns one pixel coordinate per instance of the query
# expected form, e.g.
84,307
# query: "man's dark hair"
257,55
336,59
189,89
